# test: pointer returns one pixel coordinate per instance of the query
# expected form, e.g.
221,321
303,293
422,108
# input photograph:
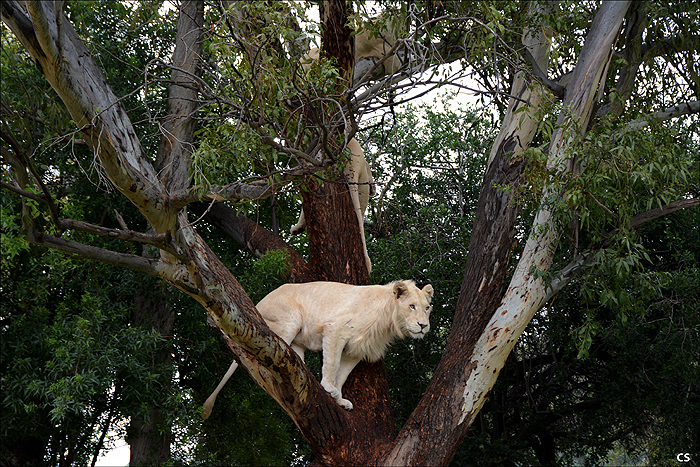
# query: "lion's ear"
428,291
400,288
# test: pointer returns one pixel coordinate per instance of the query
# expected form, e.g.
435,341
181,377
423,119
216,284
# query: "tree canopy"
556,216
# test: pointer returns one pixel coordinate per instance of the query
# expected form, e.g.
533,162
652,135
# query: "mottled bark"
176,145
483,283
150,437
484,349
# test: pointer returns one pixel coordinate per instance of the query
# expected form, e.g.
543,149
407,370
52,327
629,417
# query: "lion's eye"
412,307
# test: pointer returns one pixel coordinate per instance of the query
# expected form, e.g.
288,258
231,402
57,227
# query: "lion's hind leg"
209,403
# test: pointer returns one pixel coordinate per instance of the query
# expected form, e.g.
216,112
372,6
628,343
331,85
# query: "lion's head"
411,317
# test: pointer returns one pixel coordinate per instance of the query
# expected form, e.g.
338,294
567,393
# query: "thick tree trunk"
149,439
336,254
335,245
487,324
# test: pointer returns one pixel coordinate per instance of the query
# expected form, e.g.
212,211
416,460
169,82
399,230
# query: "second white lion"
349,323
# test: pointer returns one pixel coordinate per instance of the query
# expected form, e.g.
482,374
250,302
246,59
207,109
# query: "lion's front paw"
346,404
332,390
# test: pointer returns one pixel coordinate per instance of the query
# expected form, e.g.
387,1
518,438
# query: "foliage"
427,163
69,357
262,114
609,366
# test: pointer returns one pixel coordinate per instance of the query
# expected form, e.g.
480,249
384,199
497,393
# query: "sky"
117,457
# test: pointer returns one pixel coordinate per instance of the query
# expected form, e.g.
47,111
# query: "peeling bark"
474,339
95,108
526,294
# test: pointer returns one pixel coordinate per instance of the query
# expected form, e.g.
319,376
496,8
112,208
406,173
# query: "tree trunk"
487,323
336,254
149,439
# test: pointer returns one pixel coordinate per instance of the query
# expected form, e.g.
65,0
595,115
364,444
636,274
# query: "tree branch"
541,76
136,262
253,237
671,45
685,108
567,273
652,214
21,192
98,113
174,153
160,241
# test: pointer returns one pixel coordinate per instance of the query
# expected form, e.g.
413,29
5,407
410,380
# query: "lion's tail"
209,403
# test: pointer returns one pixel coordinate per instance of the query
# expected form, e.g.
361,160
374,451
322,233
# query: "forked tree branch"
136,262
541,76
161,241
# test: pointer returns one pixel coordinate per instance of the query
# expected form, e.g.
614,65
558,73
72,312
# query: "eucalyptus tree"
597,375
575,82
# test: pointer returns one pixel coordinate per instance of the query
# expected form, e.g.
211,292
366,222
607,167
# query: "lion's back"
314,299
317,304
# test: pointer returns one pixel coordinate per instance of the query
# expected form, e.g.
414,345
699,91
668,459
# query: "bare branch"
160,241
541,76
602,206
232,192
21,192
685,108
652,214
136,262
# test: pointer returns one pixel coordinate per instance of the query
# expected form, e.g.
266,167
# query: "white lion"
370,48
349,323
361,186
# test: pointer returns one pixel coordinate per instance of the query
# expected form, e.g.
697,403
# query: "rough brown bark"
483,283
336,254
336,40
335,246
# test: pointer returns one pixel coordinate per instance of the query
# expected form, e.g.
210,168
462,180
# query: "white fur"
357,172
349,323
